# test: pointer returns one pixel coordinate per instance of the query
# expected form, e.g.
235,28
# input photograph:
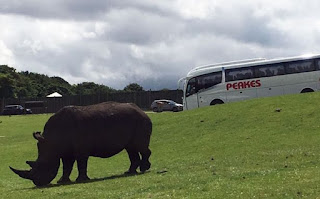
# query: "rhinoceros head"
45,168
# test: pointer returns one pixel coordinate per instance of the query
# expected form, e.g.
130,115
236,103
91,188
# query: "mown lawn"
237,150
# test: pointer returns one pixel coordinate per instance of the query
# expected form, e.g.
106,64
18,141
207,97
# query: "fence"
51,105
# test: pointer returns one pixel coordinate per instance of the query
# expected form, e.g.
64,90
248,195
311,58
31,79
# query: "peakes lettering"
244,84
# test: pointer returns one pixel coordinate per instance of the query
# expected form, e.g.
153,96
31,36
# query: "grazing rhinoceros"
75,133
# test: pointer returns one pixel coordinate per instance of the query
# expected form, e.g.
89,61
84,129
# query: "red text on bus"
243,84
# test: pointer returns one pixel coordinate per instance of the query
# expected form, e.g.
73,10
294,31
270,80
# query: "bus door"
192,101
191,95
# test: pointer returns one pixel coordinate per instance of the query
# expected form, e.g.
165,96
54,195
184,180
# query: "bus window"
191,87
239,74
300,67
269,70
209,80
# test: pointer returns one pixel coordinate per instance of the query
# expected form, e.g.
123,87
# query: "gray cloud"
78,10
151,43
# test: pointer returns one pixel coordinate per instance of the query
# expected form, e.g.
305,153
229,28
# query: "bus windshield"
191,87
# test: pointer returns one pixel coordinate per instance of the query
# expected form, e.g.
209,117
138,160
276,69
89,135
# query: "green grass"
237,150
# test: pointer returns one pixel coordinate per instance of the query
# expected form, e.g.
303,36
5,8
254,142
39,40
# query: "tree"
27,84
7,86
133,87
42,85
6,69
91,88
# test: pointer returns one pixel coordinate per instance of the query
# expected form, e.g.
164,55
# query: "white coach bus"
246,79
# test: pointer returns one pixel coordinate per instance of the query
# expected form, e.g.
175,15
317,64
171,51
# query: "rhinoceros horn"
22,173
32,164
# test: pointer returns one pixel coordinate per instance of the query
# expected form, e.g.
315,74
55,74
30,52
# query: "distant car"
15,110
166,105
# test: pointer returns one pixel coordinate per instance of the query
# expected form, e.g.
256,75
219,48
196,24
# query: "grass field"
237,150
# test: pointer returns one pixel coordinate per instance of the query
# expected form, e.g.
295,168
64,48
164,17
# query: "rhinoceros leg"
134,160
67,168
145,164
82,163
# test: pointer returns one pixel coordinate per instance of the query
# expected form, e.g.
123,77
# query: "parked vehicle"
166,105
15,110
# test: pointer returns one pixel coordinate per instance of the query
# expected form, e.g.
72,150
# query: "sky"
152,43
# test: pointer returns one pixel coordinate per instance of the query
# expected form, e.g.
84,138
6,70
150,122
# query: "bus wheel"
307,90
216,101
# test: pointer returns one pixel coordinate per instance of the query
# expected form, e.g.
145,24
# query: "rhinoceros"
76,132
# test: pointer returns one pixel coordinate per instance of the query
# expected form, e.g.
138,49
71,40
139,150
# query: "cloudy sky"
152,43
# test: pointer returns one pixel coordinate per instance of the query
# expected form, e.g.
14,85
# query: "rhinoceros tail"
145,152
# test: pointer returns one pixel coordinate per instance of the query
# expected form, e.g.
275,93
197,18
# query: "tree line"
26,84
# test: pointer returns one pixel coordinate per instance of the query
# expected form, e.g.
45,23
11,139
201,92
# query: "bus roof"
229,63
243,63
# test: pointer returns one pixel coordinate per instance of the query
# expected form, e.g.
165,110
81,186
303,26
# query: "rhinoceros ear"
38,136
